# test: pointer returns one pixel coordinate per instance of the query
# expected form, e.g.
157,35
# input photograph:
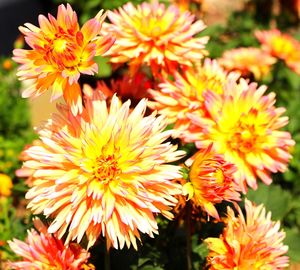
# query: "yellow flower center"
283,46
106,169
63,51
155,27
59,45
248,133
219,176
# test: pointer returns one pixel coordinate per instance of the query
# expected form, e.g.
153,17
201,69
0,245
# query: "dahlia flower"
210,181
244,124
104,172
42,250
251,242
5,186
248,61
155,35
60,52
177,99
281,45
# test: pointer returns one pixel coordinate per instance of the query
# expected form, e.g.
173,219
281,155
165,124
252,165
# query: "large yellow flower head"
251,242
155,35
248,61
104,172
179,98
244,124
210,181
42,251
60,52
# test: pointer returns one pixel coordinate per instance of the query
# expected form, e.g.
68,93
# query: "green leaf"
104,67
293,241
275,199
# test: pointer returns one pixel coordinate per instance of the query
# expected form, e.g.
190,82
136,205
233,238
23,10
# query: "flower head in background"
155,35
244,126
60,52
282,46
250,242
179,98
210,181
6,185
248,61
42,250
277,44
127,87
104,172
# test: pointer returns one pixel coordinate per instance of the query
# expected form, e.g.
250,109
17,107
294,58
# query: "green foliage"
15,133
15,127
11,226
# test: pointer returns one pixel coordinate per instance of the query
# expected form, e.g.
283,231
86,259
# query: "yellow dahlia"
155,35
5,185
104,172
210,181
250,242
278,44
244,124
42,251
60,52
178,99
248,61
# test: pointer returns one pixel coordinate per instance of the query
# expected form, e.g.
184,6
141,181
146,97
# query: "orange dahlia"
155,35
60,52
42,250
248,61
210,181
251,242
104,172
244,124
177,99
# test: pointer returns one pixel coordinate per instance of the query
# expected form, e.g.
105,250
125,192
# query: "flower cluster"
106,163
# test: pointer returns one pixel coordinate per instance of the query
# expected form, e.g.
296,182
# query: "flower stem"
107,259
188,236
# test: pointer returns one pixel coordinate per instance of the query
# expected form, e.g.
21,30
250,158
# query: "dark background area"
14,13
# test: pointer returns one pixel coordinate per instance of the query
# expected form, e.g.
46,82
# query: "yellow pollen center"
59,45
106,169
219,176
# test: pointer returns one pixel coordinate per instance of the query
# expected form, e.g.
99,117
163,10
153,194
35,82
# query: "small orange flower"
248,61
104,172
7,64
5,185
42,251
60,52
210,181
251,242
155,35
243,125
178,99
